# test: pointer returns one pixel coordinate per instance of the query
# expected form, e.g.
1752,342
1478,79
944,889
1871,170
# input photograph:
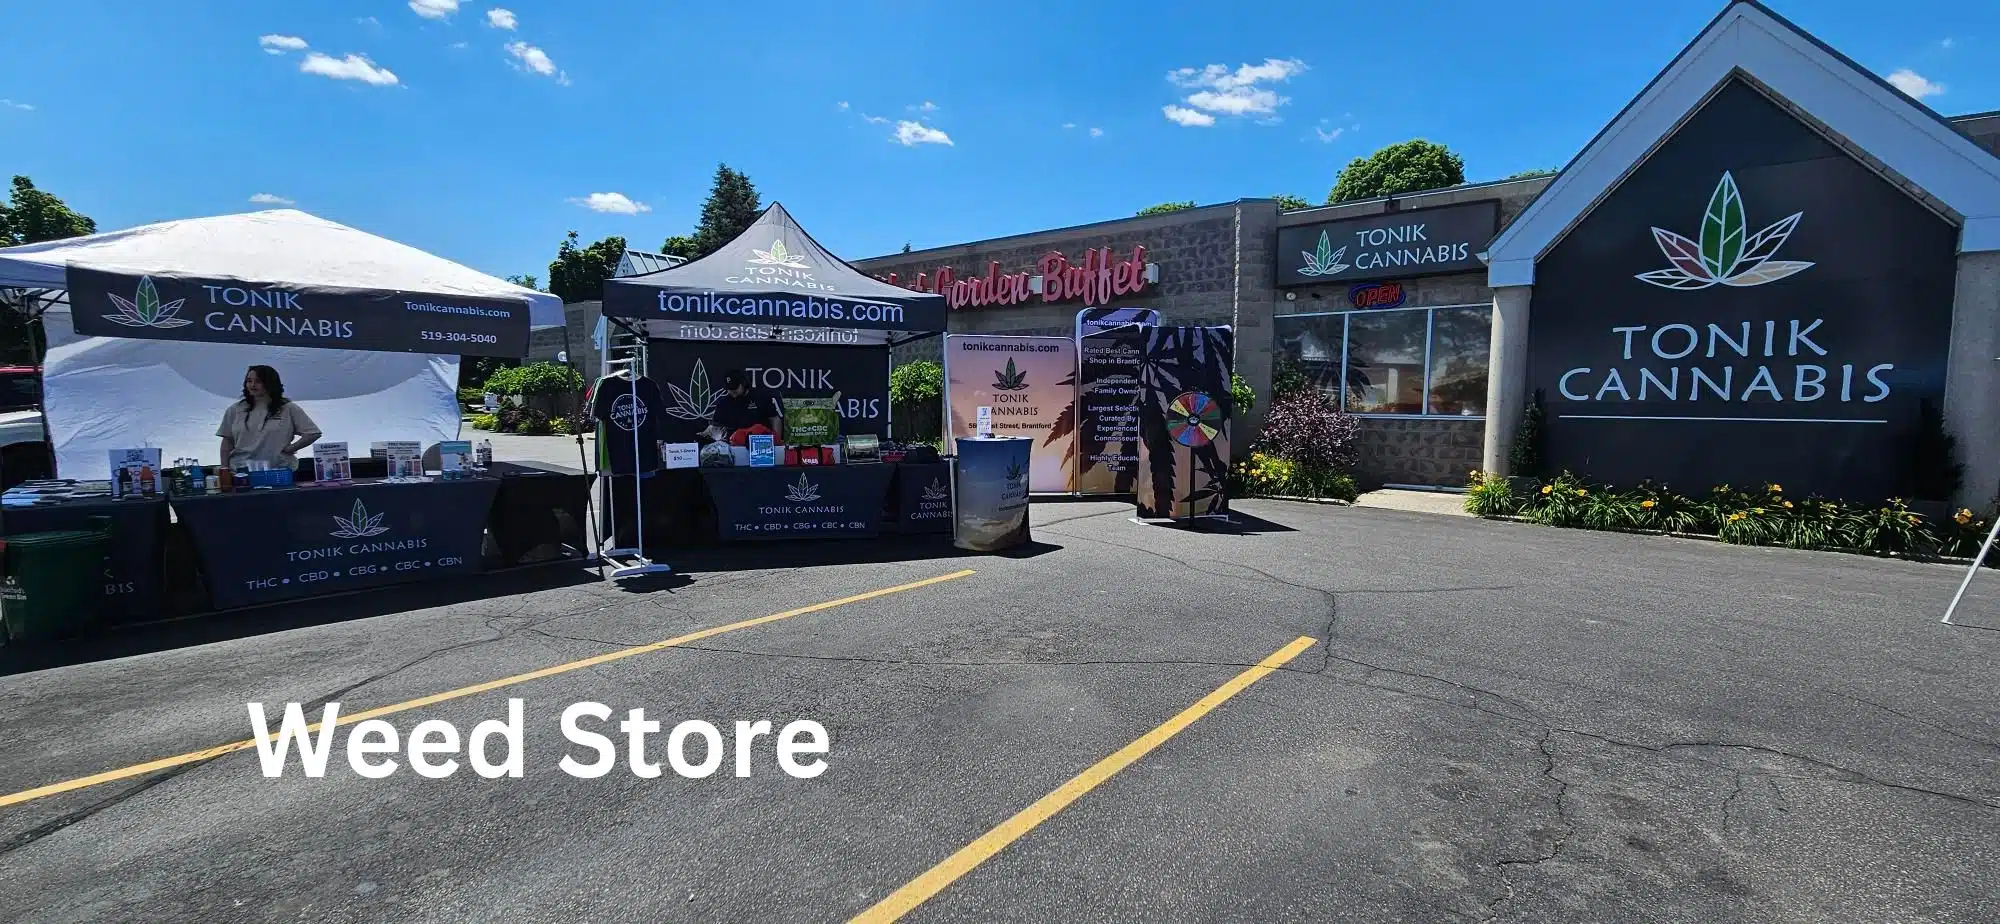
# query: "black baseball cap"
730,380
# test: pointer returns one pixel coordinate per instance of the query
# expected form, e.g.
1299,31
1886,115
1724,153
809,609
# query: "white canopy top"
281,246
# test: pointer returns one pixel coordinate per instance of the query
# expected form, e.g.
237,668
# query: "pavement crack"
1918,720
1565,829
1730,800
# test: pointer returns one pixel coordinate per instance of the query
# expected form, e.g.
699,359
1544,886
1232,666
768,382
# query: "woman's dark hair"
274,390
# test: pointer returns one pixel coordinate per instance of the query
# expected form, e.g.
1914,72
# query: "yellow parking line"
920,889
164,763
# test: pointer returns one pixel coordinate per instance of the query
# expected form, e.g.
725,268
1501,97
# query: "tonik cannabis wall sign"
1421,242
1751,305
216,310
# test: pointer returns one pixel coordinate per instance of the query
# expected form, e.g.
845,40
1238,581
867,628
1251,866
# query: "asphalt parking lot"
1489,722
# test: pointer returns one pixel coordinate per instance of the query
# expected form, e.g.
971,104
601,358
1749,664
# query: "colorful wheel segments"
1193,419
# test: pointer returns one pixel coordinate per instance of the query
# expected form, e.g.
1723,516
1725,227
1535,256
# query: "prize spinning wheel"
1193,419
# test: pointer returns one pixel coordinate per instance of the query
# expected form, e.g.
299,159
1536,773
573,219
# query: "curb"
1706,537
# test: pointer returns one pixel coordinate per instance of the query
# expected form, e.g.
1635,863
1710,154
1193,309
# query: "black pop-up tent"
772,302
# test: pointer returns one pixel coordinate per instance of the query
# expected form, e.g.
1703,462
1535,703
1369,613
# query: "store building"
1768,267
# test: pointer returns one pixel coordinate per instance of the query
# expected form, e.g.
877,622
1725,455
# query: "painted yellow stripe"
920,889
165,763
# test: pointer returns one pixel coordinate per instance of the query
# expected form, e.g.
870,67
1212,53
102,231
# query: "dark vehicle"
24,448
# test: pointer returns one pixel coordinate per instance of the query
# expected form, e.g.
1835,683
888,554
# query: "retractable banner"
1185,413
105,303
1030,385
1107,404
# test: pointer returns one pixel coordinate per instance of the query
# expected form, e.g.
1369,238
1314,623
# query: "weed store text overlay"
693,749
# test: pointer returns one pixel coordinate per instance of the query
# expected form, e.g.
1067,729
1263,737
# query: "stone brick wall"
1439,451
543,345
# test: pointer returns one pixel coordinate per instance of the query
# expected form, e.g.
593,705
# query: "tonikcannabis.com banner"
1185,414
1030,383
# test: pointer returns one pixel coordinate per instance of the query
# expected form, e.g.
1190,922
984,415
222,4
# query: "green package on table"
54,582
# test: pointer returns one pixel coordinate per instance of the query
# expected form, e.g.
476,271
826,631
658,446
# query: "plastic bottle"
146,485
123,484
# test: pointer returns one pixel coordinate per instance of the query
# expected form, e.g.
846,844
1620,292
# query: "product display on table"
762,452
812,421
330,462
405,457
131,472
624,405
862,448
455,459
681,455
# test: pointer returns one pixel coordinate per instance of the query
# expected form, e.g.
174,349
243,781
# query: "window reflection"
1423,361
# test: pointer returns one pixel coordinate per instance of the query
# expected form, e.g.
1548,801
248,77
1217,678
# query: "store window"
1402,361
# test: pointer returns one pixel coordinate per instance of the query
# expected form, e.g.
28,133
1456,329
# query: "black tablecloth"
263,546
133,588
791,502
923,498
538,510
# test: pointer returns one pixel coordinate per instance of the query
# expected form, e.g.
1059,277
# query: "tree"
1288,203
680,245
577,274
526,281
906,246
731,207
1412,166
1165,207
35,216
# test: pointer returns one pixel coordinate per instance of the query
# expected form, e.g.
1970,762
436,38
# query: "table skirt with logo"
799,502
265,546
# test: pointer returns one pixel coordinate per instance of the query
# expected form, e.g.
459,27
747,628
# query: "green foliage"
534,423
33,216
1287,378
731,208
917,382
1490,496
1529,174
1524,455
1165,207
1561,502
1241,395
1291,203
679,245
535,379
577,274
1411,166
1935,472
1267,475
473,371
472,396
485,422
526,281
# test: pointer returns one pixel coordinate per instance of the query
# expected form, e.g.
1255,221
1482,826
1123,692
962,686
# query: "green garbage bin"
54,582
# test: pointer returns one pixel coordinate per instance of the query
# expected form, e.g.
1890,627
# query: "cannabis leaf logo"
145,310
361,526
1724,255
1015,472
804,492
1324,260
1010,379
779,256
936,490
697,401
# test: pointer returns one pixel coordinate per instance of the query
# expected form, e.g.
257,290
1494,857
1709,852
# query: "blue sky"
482,132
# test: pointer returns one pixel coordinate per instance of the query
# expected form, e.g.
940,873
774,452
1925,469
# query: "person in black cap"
741,407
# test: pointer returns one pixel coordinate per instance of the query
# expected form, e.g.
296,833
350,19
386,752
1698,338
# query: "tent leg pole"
1978,560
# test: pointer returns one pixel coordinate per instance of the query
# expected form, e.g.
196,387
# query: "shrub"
1241,395
1306,427
573,424
1524,456
1490,496
1267,475
534,379
913,383
1562,502
485,422
533,423
473,396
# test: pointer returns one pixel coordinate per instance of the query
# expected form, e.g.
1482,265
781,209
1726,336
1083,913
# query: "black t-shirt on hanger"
621,405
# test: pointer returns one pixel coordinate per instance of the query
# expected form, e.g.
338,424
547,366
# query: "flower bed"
1762,516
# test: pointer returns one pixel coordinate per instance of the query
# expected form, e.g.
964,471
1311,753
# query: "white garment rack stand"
626,562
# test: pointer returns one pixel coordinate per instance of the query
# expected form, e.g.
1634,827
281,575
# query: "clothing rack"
625,351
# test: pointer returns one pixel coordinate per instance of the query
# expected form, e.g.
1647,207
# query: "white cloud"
911,134
1069,125
269,199
1096,132
1329,135
1181,115
500,18
1913,83
456,45
1240,92
24,107
370,21
536,60
434,9
352,67
842,105
279,44
874,120
1948,43
612,202
925,106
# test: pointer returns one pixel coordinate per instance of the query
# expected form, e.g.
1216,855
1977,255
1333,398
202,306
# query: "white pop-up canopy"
152,389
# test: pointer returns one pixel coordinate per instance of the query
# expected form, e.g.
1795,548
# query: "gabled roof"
1868,114
639,263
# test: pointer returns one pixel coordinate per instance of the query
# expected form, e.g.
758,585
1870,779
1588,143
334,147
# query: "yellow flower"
1777,489
1547,488
1757,510
1963,516
1788,505
1581,492
1914,521
1646,505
